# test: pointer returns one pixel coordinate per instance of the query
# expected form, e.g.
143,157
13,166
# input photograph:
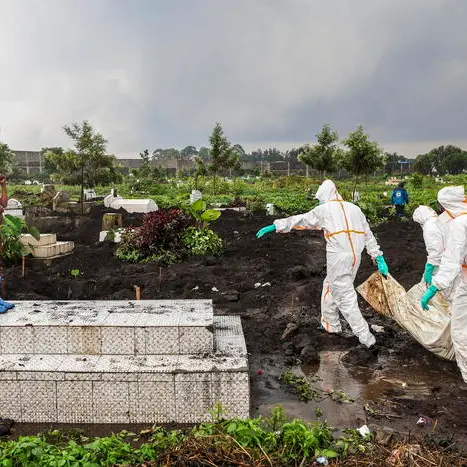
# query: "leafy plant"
202,215
201,242
255,205
159,238
306,392
75,272
10,234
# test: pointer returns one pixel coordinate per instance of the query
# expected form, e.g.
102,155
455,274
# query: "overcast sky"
160,73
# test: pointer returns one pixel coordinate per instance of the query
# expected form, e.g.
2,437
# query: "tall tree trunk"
288,168
307,171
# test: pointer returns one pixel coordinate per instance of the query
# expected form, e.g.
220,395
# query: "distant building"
29,161
129,164
175,166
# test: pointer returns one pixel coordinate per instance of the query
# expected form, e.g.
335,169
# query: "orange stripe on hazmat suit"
347,233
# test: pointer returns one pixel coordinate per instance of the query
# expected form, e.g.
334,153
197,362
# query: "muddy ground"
398,383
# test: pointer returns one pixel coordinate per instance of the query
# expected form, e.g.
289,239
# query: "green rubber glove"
382,266
427,296
265,230
428,273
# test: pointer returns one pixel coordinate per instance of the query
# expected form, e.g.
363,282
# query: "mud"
294,266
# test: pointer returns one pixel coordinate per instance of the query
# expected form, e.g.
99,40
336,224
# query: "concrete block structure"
121,362
46,247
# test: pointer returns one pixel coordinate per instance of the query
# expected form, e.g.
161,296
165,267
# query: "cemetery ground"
274,284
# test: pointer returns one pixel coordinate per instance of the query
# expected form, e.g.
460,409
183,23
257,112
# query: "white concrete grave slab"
130,205
106,388
113,328
46,247
14,208
14,204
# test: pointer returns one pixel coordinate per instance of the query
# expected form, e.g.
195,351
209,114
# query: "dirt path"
398,385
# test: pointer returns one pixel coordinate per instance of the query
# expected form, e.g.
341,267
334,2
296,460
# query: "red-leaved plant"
160,237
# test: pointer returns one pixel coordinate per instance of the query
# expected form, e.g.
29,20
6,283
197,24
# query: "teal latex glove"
265,230
382,266
427,296
428,274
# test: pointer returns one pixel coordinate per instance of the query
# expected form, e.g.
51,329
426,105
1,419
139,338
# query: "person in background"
347,233
399,198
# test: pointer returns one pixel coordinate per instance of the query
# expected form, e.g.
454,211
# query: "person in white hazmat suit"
435,231
454,266
433,237
347,233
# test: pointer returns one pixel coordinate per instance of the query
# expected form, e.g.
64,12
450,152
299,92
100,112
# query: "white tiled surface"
100,328
129,401
115,313
99,385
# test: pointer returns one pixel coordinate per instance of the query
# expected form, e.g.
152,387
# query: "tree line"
88,163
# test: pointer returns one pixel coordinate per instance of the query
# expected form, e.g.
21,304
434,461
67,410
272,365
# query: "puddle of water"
411,380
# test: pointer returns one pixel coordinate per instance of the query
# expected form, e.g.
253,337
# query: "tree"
363,157
157,154
221,152
6,158
424,163
450,159
393,163
171,153
201,169
321,156
145,163
204,153
444,160
188,151
88,164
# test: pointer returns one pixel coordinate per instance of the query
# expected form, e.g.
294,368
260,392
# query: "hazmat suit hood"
453,200
423,213
327,192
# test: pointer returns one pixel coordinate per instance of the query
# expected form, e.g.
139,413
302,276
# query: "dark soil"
294,266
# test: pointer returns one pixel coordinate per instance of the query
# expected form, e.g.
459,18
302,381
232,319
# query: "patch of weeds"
353,442
340,396
307,392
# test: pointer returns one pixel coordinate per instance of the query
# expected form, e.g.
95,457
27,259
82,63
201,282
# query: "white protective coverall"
454,266
435,231
347,233
432,233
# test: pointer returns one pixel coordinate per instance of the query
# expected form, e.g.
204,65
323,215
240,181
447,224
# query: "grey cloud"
156,74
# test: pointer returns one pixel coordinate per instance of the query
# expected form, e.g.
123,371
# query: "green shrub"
255,205
201,242
10,233
160,238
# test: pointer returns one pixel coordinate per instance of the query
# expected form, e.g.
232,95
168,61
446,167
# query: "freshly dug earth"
275,285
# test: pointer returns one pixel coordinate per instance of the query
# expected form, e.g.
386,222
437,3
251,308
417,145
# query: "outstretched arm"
308,221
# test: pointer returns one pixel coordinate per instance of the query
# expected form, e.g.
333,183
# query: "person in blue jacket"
399,198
